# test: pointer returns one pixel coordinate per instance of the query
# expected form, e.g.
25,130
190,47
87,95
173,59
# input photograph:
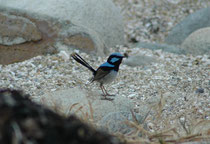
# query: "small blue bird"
106,72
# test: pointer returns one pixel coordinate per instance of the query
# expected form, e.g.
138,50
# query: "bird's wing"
100,73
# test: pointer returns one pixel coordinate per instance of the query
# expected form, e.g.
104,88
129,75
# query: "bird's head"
115,58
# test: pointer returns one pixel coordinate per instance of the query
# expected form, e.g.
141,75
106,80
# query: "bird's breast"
109,77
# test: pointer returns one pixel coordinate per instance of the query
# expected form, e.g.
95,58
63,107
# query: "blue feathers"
106,64
113,60
114,57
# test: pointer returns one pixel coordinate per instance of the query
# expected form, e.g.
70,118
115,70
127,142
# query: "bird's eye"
113,60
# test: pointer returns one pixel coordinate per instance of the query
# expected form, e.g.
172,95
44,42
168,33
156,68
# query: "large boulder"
29,28
83,103
191,23
198,42
139,60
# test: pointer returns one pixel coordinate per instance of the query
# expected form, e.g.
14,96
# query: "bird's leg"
104,93
101,86
107,92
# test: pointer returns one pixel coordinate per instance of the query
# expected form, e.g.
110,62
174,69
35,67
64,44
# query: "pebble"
200,90
64,55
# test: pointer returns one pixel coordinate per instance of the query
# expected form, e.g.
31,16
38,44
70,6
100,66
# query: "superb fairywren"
106,72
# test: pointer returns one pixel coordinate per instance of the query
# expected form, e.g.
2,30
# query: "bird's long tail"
80,60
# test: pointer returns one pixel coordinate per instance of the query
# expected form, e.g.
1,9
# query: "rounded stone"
191,23
198,42
83,103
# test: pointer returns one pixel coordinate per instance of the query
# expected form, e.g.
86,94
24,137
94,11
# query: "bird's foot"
110,95
105,98
107,95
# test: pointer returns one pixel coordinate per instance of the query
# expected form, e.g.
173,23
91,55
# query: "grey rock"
16,30
101,16
191,23
62,100
164,47
115,122
199,90
80,102
198,42
74,36
139,60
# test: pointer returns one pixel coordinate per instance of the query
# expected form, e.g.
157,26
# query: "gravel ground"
178,85
182,81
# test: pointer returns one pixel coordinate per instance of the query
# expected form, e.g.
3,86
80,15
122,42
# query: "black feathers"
80,60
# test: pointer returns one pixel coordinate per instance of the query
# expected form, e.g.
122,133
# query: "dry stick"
140,128
79,109
134,117
184,139
72,106
183,124
161,133
146,115
91,109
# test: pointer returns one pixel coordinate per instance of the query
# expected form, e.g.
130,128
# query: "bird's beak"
125,55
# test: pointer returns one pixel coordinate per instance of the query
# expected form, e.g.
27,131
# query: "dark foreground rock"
23,121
